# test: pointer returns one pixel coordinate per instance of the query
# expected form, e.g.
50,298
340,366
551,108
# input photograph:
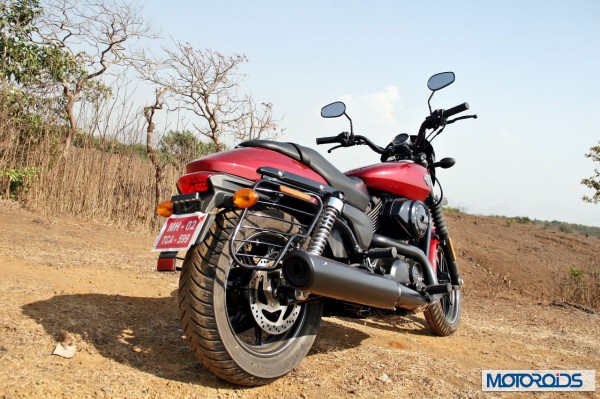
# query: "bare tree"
88,37
159,166
206,83
258,123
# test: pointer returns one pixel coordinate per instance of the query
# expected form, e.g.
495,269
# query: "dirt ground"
94,286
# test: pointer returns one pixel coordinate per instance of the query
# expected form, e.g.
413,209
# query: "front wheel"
443,317
230,315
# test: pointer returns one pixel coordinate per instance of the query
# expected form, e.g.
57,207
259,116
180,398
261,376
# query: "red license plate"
179,232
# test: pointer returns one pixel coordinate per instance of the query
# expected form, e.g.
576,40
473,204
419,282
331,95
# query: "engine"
405,219
405,272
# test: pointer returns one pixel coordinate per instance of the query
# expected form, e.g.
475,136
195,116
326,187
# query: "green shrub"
522,220
576,273
565,229
19,180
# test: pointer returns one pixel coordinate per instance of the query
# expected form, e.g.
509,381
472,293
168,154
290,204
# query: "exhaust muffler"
321,276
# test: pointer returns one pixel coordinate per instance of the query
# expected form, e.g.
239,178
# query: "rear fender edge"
210,218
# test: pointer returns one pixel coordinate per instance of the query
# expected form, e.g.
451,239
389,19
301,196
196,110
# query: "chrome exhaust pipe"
321,276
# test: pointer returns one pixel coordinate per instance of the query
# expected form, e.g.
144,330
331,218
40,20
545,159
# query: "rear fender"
219,195
221,190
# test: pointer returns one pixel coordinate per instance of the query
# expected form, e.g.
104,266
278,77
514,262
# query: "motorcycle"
275,236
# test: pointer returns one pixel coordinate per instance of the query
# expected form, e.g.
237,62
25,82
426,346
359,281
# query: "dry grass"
575,286
496,283
115,183
99,185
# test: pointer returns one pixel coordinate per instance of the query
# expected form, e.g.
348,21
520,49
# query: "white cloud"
377,109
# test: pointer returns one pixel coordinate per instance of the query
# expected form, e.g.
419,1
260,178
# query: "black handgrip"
328,140
455,110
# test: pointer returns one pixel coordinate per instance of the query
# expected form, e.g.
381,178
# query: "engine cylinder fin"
374,214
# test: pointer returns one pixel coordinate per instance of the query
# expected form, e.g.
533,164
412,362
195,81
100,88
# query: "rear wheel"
233,321
443,317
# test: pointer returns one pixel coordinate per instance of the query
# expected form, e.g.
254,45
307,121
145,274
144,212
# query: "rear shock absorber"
335,204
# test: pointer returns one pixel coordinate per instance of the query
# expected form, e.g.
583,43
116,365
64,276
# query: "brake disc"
269,314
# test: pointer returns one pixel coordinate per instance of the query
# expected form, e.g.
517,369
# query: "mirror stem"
429,102
351,128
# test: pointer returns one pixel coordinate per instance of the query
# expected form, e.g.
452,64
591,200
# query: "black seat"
354,189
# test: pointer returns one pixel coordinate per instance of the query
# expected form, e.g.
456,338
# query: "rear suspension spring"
325,224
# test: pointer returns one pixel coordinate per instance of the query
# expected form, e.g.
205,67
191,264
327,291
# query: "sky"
529,70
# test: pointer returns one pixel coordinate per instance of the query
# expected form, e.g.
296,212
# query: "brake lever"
333,148
461,117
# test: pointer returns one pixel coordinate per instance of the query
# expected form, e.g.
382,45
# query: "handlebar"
373,146
328,140
455,110
348,140
438,118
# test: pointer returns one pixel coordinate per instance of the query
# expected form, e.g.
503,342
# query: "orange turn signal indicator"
245,198
298,194
165,208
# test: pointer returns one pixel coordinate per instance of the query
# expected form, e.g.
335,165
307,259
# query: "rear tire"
220,304
443,316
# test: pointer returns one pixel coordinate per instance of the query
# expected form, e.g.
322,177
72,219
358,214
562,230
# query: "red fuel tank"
244,161
406,179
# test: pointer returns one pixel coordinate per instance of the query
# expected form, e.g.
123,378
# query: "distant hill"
588,231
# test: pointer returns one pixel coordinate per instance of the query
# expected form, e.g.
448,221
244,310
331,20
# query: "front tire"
443,316
237,329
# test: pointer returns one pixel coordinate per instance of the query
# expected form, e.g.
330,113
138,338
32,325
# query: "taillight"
194,182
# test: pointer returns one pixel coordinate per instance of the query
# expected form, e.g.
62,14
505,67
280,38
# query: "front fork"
441,229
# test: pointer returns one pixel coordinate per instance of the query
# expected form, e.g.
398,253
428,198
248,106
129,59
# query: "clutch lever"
333,148
461,117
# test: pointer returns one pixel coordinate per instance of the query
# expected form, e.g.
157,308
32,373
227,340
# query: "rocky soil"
95,287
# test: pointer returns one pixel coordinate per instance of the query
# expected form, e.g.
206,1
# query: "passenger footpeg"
382,253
